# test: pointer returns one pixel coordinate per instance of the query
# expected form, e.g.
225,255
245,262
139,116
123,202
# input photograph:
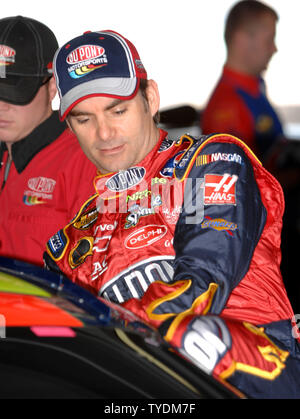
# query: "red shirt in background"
48,180
239,106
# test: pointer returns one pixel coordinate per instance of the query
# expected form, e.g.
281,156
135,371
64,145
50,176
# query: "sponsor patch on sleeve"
220,189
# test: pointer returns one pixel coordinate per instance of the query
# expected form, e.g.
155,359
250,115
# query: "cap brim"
116,87
19,90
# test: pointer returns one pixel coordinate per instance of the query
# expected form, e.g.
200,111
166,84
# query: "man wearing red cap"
185,234
41,163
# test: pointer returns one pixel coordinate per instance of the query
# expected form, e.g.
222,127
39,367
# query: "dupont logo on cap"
85,52
97,64
7,55
85,59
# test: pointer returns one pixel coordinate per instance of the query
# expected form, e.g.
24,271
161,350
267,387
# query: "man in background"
42,165
239,106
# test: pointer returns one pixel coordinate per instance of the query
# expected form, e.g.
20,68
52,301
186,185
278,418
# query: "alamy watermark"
296,326
2,326
2,70
172,196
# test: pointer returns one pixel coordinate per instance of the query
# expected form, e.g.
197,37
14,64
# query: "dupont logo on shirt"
39,190
220,189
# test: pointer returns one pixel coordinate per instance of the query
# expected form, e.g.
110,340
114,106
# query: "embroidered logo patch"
126,179
40,190
56,244
219,224
42,184
86,219
145,236
220,189
32,200
168,169
136,211
7,55
210,158
85,59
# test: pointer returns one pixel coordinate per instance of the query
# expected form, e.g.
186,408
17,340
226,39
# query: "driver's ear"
51,88
153,96
69,124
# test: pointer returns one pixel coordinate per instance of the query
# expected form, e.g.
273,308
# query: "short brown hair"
142,89
244,13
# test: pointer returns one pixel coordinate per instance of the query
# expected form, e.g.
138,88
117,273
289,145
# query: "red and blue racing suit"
189,240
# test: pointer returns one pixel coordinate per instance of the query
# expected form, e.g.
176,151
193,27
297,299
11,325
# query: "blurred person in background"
41,163
239,106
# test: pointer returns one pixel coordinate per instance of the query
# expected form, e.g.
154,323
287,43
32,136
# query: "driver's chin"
114,166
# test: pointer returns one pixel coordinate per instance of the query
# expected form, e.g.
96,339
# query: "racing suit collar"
24,150
249,83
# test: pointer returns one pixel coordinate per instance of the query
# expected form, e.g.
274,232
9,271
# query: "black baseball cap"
27,48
